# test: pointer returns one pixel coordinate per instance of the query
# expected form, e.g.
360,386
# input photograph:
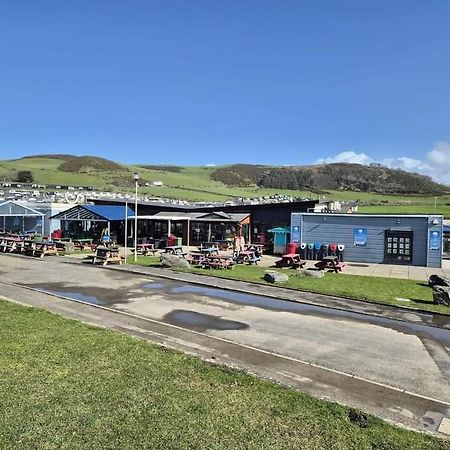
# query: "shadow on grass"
422,302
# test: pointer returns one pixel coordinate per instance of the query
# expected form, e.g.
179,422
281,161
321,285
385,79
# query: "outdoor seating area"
28,246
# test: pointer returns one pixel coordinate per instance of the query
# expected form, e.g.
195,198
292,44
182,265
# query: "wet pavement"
405,355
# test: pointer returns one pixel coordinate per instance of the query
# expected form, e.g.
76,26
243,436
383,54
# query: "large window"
398,247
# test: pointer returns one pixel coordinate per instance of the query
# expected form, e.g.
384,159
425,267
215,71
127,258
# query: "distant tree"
24,176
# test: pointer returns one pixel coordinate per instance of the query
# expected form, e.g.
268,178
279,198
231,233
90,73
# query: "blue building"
404,239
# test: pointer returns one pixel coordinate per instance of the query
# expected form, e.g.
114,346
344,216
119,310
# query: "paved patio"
366,269
380,270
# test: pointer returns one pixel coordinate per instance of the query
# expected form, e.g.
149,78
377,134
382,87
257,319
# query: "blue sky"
197,82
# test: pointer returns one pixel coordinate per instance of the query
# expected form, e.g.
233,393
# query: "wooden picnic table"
105,255
145,249
175,250
219,262
41,249
82,244
209,251
254,247
9,244
196,258
330,262
292,260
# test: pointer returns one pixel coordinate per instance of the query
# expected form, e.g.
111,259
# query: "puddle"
438,334
201,322
75,296
154,285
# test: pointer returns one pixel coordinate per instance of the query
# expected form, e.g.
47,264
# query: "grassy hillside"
338,176
197,183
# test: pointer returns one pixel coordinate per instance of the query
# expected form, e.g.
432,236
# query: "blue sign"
360,236
435,240
295,234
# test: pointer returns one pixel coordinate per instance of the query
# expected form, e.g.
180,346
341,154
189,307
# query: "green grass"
371,289
406,209
67,385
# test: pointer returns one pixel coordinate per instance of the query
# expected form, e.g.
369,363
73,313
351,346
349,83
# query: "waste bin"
291,247
179,241
303,250
324,250
340,252
317,247
333,249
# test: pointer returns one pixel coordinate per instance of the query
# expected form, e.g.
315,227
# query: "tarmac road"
344,356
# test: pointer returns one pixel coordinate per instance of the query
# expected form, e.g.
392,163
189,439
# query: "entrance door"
398,246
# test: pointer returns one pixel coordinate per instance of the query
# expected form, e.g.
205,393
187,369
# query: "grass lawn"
67,385
373,289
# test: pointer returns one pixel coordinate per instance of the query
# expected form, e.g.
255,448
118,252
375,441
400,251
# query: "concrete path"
353,358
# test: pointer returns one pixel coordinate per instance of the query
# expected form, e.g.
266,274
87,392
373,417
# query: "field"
67,385
194,184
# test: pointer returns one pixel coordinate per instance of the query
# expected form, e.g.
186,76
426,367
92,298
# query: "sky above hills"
198,82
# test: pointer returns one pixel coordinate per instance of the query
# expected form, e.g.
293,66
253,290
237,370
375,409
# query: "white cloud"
347,157
436,163
406,163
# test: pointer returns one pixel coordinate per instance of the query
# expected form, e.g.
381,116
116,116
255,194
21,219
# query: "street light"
136,180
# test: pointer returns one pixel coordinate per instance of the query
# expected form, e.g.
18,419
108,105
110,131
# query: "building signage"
435,240
360,236
295,234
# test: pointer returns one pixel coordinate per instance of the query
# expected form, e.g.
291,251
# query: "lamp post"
136,180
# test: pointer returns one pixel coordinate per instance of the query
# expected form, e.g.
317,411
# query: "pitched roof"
11,208
108,213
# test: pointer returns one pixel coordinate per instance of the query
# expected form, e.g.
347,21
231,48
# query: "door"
398,247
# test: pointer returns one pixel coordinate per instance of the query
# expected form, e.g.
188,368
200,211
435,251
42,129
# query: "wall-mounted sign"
360,236
435,240
295,234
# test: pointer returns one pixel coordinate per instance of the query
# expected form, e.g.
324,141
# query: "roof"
216,216
12,208
108,213
279,230
367,215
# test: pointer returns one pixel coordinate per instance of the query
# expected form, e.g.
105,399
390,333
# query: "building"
90,221
18,218
262,216
402,239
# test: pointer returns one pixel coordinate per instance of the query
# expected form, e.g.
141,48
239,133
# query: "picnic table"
196,258
82,244
208,245
219,262
209,251
330,262
292,260
41,249
254,247
145,249
175,250
9,244
105,255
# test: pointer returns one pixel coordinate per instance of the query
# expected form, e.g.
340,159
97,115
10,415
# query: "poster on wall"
360,237
295,234
435,240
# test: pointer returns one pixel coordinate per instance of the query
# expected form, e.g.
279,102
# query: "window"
398,246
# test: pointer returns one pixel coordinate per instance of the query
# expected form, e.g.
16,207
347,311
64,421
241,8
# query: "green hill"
239,180
339,176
